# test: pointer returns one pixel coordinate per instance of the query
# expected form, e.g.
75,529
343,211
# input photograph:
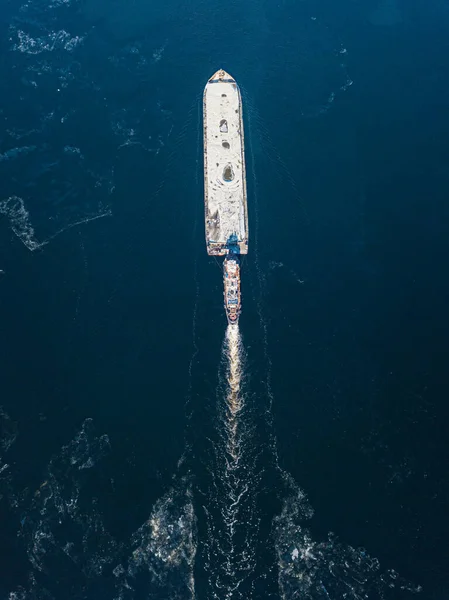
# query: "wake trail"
234,400
231,513
107,213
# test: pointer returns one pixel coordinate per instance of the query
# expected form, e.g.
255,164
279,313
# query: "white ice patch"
56,3
158,53
56,40
14,209
165,546
8,431
16,152
60,519
73,150
328,568
56,504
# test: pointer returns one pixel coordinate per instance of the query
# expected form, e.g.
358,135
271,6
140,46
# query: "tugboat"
231,281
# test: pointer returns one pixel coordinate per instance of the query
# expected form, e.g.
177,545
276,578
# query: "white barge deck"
226,211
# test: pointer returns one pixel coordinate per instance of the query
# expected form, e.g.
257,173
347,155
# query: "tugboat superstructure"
231,284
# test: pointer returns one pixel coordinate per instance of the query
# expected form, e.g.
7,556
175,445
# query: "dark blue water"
115,481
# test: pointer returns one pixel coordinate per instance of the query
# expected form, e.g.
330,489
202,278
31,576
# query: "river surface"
146,449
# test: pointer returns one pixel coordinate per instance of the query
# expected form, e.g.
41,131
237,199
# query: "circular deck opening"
228,173
226,145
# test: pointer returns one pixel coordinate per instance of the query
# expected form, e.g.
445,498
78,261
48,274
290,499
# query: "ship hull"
225,201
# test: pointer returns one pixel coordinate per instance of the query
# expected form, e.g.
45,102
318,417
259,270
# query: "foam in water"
164,548
8,435
8,431
55,40
231,514
63,531
15,152
327,569
14,209
234,352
